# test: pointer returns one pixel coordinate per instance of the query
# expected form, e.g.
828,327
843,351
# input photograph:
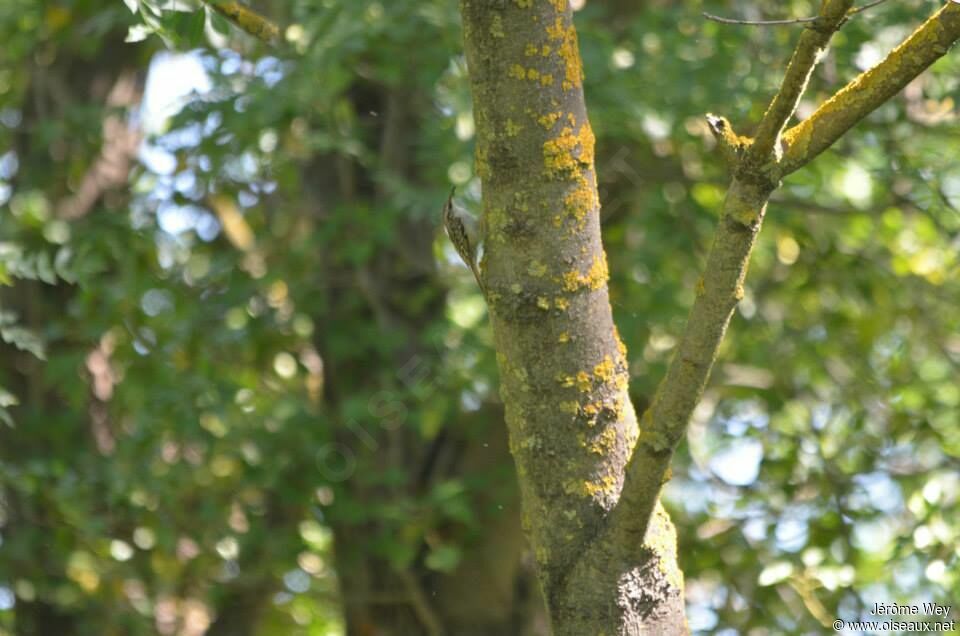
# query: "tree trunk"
590,476
562,364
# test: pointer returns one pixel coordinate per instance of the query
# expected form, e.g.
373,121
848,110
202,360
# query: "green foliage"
180,23
226,384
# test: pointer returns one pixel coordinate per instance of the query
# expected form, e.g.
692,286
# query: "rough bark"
590,475
562,364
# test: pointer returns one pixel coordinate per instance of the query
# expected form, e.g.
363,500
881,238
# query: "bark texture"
563,366
590,474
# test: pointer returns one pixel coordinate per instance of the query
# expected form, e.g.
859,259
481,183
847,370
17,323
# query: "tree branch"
721,286
246,19
865,7
872,88
421,606
664,424
813,41
722,20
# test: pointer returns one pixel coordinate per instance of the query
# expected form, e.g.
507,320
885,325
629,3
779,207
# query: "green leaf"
62,265
45,268
218,23
187,29
7,398
149,8
23,339
138,33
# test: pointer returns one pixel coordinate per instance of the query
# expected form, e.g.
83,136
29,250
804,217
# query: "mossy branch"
246,19
720,288
732,146
813,41
664,424
872,88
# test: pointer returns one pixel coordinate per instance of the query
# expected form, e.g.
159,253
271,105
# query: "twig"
869,5
722,20
112,167
421,606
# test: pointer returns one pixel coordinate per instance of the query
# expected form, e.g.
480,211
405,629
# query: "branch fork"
757,165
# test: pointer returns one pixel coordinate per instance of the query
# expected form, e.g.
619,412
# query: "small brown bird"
463,230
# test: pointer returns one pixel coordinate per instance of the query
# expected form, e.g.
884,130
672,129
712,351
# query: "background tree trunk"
493,589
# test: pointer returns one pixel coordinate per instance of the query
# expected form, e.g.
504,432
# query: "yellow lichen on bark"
564,37
591,409
604,370
601,487
661,540
251,22
482,165
603,443
595,277
621,348
517,72
537,269
549,119
564,154
580,202
583,381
